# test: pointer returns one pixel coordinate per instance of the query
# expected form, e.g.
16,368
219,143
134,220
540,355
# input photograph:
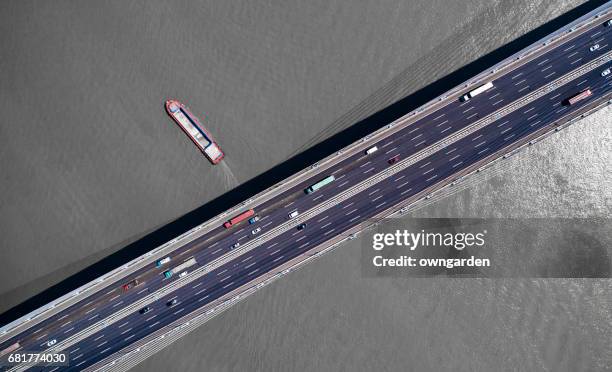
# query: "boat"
190,124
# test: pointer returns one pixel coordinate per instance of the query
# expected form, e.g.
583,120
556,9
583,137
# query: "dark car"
172,302
394,159
146,309
301,227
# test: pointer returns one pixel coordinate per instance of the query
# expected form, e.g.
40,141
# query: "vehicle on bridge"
10,349
195,130
394,159
579,97
145,309
318,185
190,262
159,263
371,150
127,286
239,218
477,91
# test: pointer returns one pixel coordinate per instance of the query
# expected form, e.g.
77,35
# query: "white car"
608,23
594,47
182,274
235,245
605,72
256,231
51,342
293,214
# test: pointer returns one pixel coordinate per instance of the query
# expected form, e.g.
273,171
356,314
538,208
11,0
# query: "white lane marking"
480,144
277,259
534,123
351,212
555,96
595,34
399,178
203,298
200,291
80,363
90,310
505,130
477,137
200,283
441,123
556,104
523,88
510,136
117,304
402,185
212,245
454,157
364,164
75,350
420,143
414,130
154,324
496,102
354,218
369,170
517,75
340,177
323,219
327,224
69,329
559,110
272,245
303,245
295,233
65,324
269,223
153,317
95,316
576,61
39,337
105,350
139,292
249,265
483,150
127,338
447,128
318,197
531,109
573,54
424,165
343,183
228,284
245,260
438,117
568,48
380,205
376,198
451,151
495,95
239,239
290,204
417,136
102,344
549,75
227,277
328,232
504,123
221,272
99,337
520,82
215,251
62,317
348,205
431,178
543,62
545,68
386,144
469,109
424,173
275,252
405,191
393,149
456,165
532,116
582,82
126,331
238,232
373,192
301,238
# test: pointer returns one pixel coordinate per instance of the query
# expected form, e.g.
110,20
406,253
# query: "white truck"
477,91
178,269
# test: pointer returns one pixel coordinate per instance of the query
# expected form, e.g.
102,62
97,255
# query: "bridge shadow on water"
294,164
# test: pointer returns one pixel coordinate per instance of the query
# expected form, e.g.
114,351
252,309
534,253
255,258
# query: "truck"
178,269
579,97
318,185
477,91
239,218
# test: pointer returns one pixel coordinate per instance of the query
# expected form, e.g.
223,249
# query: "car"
301,227
253,219
183,274
235,245
145,309
129,285
159,263
293,214
608,23
51,342
594,47
605,72
254,232
464,98
172,302
394,159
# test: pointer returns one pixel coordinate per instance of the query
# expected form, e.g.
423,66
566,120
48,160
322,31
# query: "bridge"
103,326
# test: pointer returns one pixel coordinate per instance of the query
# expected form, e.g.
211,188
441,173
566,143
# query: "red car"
133,283
394,159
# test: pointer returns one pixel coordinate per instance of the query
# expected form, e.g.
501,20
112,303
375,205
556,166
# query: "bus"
318,185
579,97
241,217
